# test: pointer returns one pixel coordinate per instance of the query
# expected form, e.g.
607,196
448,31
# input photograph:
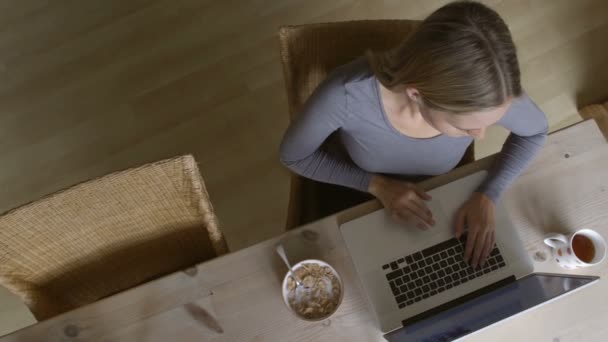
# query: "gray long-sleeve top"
348,103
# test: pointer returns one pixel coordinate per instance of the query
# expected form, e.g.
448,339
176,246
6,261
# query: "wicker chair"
308,54
107,235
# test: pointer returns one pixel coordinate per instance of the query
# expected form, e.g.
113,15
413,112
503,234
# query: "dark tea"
583,248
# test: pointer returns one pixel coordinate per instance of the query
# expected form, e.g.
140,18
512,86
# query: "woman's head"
460,60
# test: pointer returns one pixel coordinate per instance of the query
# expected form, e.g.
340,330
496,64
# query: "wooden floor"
90,87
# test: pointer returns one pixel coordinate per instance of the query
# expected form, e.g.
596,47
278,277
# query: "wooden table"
237,297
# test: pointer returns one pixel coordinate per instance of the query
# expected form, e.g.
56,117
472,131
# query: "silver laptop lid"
467,315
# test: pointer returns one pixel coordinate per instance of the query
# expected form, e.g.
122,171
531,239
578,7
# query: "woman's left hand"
478,215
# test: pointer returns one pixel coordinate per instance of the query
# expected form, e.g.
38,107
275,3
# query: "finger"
478,248
459,224
420,225
414,220
408,219
488,249
422,206
492,244
471,237
421,192
420,214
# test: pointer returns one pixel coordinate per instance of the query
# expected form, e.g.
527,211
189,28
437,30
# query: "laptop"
420,287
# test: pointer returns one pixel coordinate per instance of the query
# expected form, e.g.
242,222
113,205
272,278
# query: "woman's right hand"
405,201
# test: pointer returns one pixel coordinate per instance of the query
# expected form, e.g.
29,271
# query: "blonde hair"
460,59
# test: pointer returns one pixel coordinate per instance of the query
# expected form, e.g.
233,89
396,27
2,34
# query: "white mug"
593,253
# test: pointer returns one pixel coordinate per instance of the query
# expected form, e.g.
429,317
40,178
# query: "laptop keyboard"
433,270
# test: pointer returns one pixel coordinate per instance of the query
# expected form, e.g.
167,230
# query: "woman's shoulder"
346,81
357,82
354,71
524,117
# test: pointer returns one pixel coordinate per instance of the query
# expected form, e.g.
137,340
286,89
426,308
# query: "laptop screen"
488,308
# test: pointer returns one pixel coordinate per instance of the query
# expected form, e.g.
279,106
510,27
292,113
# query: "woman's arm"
302,152
301,149
529,127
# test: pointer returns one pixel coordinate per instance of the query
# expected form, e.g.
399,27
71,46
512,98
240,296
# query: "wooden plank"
91,87
237,296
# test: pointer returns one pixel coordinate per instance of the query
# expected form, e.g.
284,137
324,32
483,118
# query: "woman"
414,111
